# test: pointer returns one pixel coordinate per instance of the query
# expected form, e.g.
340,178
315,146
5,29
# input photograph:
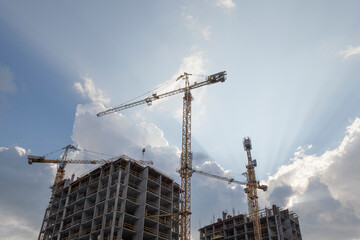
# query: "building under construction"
276,224
115,201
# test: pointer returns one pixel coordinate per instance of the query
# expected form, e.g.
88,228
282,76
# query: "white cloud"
228,4
196,28
118,134
206,33
322,188
350,51
300,171
191,21
343,175
6,80
121,133
214,168
89,90
193,63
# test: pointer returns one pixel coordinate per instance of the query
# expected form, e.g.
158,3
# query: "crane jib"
214,78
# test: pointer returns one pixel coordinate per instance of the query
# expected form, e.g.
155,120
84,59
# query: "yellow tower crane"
60,173
251,187
186,155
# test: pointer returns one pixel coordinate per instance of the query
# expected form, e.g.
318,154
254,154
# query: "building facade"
115,201
276,224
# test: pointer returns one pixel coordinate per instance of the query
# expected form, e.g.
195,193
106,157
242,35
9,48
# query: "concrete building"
276,223
111,202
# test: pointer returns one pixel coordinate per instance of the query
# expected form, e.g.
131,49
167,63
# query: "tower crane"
186,155
251,187
60,173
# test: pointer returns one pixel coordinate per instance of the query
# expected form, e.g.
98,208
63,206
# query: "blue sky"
293,80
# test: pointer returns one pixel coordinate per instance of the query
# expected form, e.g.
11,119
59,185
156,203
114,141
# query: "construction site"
128,199
113,201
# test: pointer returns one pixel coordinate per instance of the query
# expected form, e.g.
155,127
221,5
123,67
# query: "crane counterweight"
32,158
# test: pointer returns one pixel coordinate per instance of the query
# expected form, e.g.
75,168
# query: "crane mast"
186,155
60,174
186,163
251,190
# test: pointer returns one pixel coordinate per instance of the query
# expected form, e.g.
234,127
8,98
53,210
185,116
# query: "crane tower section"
251,189
186,163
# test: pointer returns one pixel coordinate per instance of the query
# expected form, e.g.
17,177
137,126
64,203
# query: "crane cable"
87,152
145,133
157,89
51,153
104,154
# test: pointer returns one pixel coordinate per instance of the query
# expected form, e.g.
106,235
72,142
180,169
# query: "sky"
292,86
